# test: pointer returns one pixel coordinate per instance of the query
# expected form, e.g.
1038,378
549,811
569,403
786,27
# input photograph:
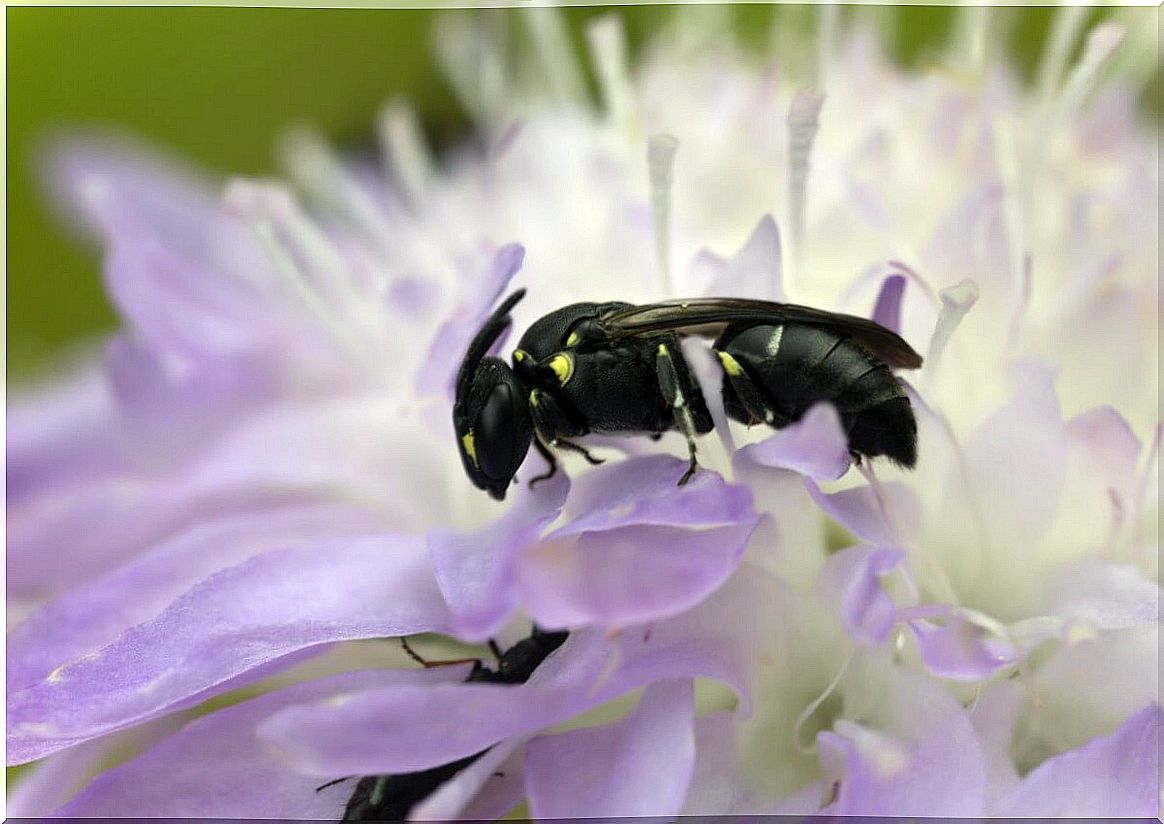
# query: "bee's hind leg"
670,386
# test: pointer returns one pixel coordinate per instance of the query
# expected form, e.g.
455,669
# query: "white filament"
471,52
956,302
661,150
403,147
1101,45
803,123
314,165
814,705
828,23
555,54
608,49
974,36
1065,30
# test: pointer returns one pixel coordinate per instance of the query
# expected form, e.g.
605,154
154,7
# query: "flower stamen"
661,150
803,124
608,49
553,49
404,149
814,705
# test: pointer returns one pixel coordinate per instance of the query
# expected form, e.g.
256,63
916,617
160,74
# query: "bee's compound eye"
502,433
494,431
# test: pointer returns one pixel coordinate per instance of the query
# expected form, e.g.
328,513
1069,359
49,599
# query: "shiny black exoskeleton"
616,367
392,797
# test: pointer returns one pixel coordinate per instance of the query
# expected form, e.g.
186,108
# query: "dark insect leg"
570,446
333,782
670,386
550,459
748,393
411,652
496,650
432,664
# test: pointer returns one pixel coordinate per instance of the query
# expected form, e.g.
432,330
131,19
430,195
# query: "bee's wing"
710,316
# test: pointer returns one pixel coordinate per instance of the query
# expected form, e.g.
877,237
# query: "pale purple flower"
258,473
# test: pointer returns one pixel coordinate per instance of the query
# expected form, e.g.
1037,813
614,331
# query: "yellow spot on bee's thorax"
518,355
469,442
563,366
572,339
730,364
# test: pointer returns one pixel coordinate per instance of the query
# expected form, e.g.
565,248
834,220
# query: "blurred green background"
219,85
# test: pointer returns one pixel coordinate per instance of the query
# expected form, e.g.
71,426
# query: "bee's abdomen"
796,366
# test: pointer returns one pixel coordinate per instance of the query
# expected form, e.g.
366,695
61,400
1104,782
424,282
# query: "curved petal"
959,649
886,517
629,575
815,446
754,271
644,490
1112,776
355,448
238,619
887,310
851,580
486,790
216,767
637,766
89,617
475,570
914,751
438,369
403,728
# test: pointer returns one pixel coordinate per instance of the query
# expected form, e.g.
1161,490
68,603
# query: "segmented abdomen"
795,366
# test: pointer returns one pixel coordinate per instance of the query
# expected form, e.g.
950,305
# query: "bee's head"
491,413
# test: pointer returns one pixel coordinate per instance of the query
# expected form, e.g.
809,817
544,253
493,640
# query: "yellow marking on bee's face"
469,442
518,356
533,398
663,350
730,364
563,366
572,339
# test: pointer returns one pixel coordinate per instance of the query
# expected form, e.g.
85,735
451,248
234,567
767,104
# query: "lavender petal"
887,310
958,649
475,570
401,729
814,446
851,580
93,615
216,767
261,610
638,766
438,370
486,790
914,752
1111,776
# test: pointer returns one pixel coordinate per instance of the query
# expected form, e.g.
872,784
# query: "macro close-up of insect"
671,270
615,367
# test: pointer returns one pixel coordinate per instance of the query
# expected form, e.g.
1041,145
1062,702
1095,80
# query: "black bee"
616,367
392,797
